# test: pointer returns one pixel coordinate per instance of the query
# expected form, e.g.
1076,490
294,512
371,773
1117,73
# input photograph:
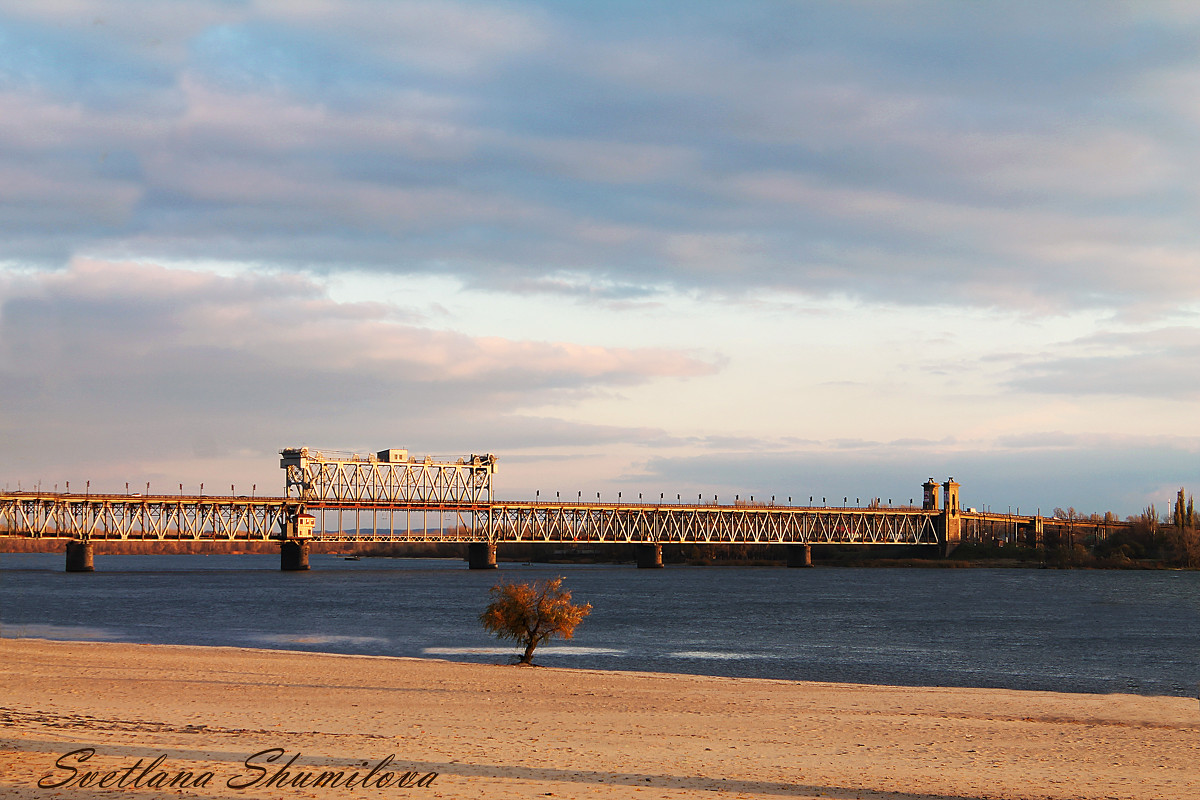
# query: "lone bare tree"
531,613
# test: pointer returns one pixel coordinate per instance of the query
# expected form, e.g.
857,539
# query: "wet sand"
511,732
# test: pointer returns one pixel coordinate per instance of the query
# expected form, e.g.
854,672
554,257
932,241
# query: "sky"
789,249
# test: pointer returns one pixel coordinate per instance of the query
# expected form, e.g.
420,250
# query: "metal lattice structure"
151,518
388,478
410,522
416,523
392,497
125,517
585,522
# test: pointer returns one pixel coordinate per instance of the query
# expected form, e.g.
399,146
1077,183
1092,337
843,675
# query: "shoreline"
503,731
436,659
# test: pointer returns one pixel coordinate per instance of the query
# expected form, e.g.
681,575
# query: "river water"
1074,631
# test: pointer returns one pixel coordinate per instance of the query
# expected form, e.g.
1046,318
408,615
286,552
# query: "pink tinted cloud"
289,321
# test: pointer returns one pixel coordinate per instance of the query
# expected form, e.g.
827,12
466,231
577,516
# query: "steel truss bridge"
141,518
195,518
686,524
392,497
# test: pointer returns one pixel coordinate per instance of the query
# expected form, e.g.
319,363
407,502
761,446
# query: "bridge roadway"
83,519
109,517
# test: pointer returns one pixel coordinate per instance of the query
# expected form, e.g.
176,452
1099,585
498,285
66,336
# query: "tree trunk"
528,657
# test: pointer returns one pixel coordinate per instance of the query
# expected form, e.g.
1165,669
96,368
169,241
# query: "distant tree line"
1150,539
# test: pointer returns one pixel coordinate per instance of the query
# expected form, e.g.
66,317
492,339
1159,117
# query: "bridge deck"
167,517
149,517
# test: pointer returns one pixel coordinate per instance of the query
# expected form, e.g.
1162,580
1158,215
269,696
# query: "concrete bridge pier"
649,556
799,555
1035,532
293,555
79,556
481,555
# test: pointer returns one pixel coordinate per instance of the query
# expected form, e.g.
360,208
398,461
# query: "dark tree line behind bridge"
1149,539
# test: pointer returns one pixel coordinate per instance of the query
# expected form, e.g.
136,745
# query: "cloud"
444,36
110,358
1153,364
922,153
1094,472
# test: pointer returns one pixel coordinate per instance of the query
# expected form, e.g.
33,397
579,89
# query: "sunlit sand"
497,731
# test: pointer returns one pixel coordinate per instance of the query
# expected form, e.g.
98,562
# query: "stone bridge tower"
930,501
950,526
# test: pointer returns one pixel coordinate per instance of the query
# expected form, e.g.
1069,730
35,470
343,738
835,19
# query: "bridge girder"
390,477
589,523
150,518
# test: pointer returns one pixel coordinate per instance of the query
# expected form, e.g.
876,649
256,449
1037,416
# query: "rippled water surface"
1081,631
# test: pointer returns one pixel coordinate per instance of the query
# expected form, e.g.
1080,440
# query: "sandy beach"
213,719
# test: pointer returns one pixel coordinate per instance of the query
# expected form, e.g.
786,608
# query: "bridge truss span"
149,518
593,523
387,477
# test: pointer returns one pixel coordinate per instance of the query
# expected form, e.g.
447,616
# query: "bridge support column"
481,555
293,555
79,557
799,555
649,556
1036,536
